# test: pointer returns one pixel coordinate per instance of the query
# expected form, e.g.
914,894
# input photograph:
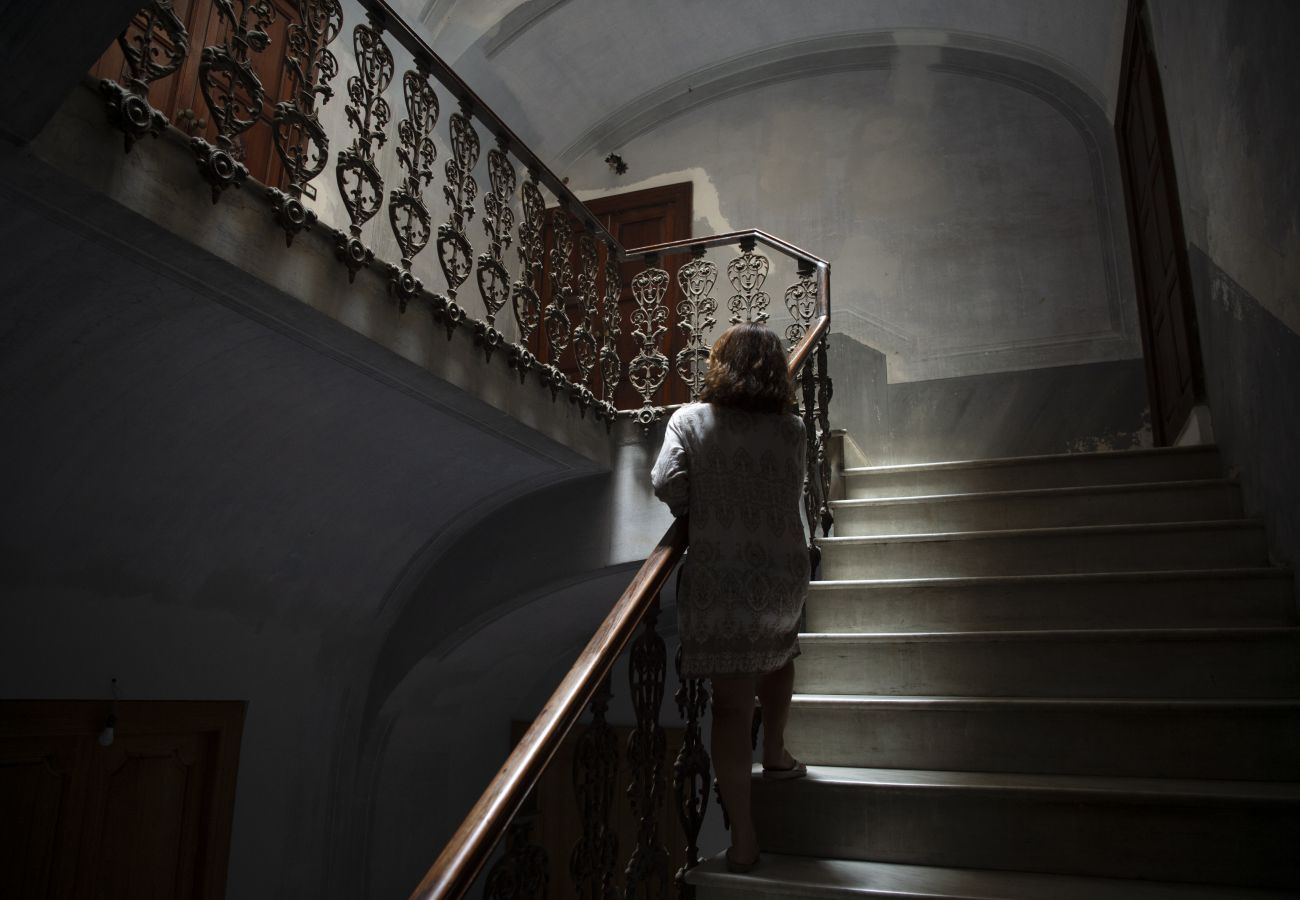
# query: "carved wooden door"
1170,342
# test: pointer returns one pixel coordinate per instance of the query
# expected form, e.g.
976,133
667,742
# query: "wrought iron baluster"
521,873
586,349
300,139
695,312
525,297
647,873
558,328
455,254
611,367
232,91
801,301
595,774
691,769
408,215
148,58
747,273
649,367
825,388
498,219
812,479
359,181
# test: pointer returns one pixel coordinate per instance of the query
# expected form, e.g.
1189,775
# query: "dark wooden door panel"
146,817
1168,318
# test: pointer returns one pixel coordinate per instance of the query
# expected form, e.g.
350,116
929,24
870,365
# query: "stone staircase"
1051,677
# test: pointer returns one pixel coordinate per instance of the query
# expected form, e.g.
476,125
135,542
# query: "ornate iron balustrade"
582,272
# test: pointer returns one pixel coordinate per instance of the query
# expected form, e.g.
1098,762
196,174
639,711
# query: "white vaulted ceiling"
569,74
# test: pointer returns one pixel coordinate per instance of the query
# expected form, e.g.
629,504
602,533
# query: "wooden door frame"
1138,24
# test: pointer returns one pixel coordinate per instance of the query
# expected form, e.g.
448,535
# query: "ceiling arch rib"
972,54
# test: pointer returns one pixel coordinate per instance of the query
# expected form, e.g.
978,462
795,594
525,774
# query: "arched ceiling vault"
577,76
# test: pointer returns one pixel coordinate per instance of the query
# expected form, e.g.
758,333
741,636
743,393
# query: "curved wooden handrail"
460,862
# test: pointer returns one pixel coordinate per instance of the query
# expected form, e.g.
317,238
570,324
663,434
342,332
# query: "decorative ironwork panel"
801,301
154,45
586,348
455,255
611,367
695,311
407,213
595,775
300,139
691,770
525,296
521,873
747,274
231,90
498,220
647,873
368,114
649,367
559,330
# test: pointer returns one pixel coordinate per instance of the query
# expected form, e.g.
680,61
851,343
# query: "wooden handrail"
461,861
727,238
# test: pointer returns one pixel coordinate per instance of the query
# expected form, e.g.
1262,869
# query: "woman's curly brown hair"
748,370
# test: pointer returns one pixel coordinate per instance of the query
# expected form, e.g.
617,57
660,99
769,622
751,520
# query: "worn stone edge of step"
1012,461
1196,633
812,877
1052,531
1030,493
1110,788
1052,578
1071,704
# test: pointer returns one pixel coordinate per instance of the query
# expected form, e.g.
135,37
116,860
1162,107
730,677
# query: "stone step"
1099,548
1027,472
1172,501
1224,832
1132,662
1247,740
1241,597
779,877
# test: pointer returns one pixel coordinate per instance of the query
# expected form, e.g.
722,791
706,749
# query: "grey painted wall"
1231,97
214,492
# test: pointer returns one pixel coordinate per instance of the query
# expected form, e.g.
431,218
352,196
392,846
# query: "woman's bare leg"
733,709
774,691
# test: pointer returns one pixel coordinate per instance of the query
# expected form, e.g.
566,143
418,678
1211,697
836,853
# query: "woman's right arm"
670,477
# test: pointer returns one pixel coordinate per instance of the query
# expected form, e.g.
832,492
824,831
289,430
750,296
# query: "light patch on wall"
708,205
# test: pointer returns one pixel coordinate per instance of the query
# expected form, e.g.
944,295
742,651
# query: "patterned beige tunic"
740,476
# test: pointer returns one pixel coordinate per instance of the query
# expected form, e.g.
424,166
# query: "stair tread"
1065,703
1276,572
1070,490
1010,461
812,877
1054,530
1196,633
1093,785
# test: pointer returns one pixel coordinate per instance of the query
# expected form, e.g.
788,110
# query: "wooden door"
635,219
145,818
639,219
1170,343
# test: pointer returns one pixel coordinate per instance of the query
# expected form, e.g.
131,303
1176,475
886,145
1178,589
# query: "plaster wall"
217,492
1231,95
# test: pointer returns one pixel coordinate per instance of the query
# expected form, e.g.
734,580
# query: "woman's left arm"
670,477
